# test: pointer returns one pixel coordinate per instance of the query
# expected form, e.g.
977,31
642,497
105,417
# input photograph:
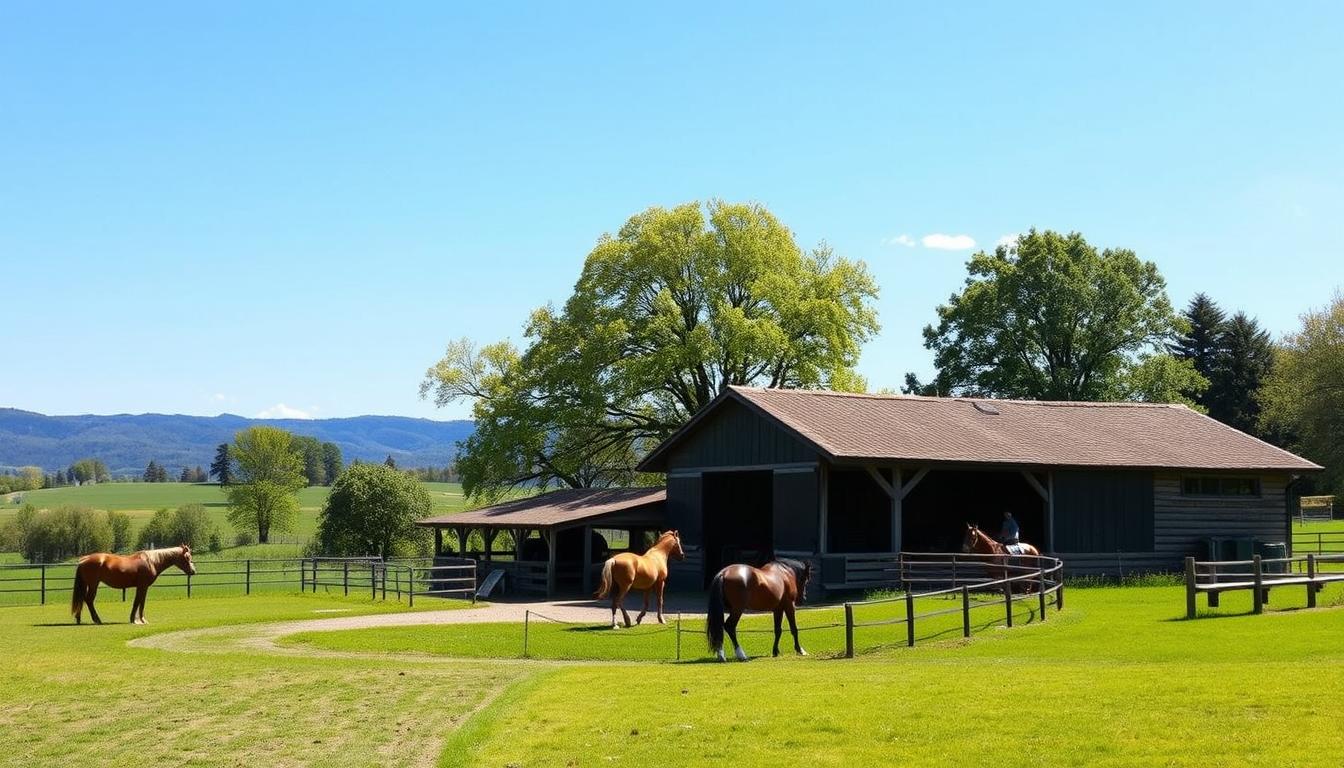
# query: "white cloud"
1008,240
220,397
282,411
902,239
941,242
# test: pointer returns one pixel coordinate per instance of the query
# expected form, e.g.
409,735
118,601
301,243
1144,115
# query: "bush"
244,539
188,524
216,546
50,536
120,523
372,510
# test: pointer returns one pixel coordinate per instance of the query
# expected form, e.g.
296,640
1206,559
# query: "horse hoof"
661,620
801,652
720,655
740,654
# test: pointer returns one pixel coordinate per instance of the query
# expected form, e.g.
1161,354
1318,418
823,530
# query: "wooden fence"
38,583
960,577
1259,575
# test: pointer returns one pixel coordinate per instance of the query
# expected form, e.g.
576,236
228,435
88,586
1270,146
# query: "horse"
778,586
646,572
138,570
977,542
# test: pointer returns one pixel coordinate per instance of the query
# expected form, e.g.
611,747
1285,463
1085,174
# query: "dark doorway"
738,519
858,512
935,514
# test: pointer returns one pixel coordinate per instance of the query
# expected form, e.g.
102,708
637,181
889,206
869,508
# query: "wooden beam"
897,511
823,507
881,481
551,540
910,486
1036,484
438,542
1050,510
587,559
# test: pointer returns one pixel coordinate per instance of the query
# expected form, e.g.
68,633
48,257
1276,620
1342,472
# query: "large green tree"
1247,358
1050,317
1303,396
1201,341
674,307
372,510
269,475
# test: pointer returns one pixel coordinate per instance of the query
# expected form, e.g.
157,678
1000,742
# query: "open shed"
850,480
553,541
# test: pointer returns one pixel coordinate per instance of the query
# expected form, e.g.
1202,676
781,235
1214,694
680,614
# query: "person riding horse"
1009,533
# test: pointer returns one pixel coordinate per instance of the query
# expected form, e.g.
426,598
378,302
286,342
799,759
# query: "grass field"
1116,679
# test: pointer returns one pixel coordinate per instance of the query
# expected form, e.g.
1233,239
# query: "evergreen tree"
151,472
1202,342
60,477
222,466
198,476
185,476
332,461
1244,364
389,461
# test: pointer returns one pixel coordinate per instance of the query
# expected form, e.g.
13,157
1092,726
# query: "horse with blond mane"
137,570
647,572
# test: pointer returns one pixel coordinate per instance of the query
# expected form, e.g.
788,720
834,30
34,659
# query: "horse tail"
714,619
77,599
605,587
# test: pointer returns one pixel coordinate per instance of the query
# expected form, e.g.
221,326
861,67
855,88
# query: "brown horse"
777,587
647,572
137,570
978,542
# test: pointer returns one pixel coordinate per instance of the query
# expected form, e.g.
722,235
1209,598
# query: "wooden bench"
1259,583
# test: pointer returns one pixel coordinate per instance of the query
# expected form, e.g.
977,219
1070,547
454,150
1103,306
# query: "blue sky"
293,206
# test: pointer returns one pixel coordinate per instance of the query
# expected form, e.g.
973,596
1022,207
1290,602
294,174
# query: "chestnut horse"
980,543
137,570
778,586
647,572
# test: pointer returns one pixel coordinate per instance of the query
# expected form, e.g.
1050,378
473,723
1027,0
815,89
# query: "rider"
1009,533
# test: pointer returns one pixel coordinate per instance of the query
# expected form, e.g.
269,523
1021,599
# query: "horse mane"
155,557
798,567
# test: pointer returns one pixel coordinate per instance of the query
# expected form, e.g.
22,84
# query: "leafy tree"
185,475
49,536
269,475
120,524
1303,397
314,471
60,478
222,467
1053,318
31,478
666,313
89,471
198,475
372,510
332,461
188,524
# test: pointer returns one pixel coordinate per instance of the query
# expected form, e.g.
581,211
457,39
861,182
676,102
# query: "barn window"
1220,486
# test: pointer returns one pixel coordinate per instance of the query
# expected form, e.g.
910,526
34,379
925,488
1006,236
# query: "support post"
44,585
965,611
910,619
438,542
588,564
373,580
1189,587
1311,581
1059,590
1040,587
188,586
527,622
849,631
1008,602
897,511
551,560
247,578
678,637
303,576
1257,577
345,576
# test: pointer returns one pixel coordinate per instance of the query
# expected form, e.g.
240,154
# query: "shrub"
120,523
188,524
244,539
372,510
51,536
158,531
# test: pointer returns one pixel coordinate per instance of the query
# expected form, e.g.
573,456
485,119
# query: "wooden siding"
735,436
683,506
1103,511
1181,521
796,511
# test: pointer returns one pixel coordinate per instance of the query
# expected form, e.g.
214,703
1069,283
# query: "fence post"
396,583
1040,587
1311,581
678,637
1008,601
1189,587
373,582
384,572
188,585
849,631
1059,587
345,576
44,584
527,621
410,586
247,589
303,575
910,619
965,611
314,575
123,595
1258,602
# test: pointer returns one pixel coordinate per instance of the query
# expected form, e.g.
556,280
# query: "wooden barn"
849,480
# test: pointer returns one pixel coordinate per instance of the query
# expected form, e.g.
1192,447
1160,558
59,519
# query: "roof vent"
985,408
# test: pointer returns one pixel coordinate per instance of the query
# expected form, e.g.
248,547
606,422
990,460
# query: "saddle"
1016,549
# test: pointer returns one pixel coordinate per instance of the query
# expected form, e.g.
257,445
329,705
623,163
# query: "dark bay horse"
777,587
978,542
648,572
137,570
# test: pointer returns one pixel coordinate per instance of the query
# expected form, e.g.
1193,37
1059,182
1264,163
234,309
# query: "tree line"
680,303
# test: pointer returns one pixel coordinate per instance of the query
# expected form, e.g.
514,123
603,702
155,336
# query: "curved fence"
944,593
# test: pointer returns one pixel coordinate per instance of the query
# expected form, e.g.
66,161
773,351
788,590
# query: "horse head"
184,562
804,578
972,537
674,549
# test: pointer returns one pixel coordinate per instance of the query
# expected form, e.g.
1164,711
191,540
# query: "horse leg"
620,601
640,618
661,586
138,606
89,595
779,618
731,627
793,627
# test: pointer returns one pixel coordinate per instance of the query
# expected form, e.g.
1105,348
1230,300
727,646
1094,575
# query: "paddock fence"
946,594
1318,542
1259,575
398,579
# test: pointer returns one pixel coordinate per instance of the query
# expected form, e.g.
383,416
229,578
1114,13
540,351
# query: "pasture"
1116,679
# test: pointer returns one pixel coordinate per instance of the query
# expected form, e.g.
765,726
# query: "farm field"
1116,679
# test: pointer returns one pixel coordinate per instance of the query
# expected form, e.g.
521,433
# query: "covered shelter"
552,541
850,480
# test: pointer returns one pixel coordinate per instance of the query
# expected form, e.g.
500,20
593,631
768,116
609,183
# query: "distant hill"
126,442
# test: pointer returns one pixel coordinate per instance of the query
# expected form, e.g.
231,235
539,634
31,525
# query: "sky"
288,209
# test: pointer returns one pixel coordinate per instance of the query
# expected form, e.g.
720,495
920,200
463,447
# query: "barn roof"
561,509
857,427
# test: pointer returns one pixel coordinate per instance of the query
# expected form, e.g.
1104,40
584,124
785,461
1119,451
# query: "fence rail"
1258,575
38,583
1320,542
955,576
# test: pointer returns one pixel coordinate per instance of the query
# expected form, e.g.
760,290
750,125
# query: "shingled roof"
557,508
860,427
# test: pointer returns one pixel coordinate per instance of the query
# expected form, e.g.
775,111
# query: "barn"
849,480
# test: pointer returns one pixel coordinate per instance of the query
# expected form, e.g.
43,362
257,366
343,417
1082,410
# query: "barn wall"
735,436
1103,511
796,511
